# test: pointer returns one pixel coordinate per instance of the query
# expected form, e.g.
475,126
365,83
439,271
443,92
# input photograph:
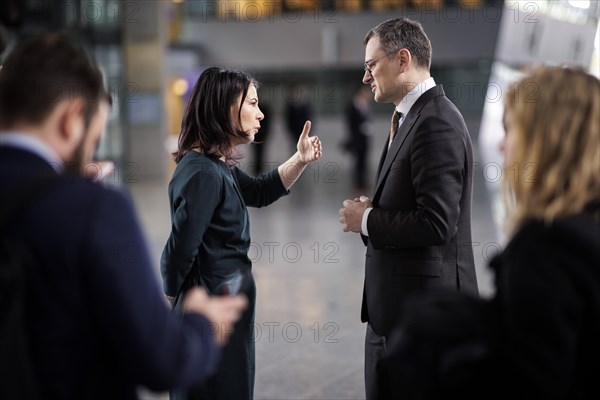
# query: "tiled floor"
309,273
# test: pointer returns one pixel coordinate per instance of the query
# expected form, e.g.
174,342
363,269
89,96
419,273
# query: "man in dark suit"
96,321
417,227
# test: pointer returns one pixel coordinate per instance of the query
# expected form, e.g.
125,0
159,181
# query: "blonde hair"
554,166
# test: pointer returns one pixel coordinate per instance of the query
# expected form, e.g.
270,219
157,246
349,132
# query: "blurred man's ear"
71,125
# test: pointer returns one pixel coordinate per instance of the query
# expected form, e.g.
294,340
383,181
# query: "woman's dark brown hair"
207,123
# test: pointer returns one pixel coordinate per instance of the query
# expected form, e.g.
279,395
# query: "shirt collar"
411,97
32,144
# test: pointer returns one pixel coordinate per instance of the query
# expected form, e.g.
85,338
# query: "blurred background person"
357,142
297,111
210,237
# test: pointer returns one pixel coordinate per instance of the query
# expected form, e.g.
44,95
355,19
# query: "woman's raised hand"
309,147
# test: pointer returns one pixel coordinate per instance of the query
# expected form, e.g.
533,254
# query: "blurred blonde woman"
552,146
548,277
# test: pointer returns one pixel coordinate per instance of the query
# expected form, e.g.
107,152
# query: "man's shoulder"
89,193
74,199
440,109
67,210
436,99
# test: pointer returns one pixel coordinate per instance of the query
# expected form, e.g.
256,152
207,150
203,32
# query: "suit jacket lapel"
381,160
397,143
405,129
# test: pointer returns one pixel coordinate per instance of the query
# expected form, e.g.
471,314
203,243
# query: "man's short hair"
398,33
43,71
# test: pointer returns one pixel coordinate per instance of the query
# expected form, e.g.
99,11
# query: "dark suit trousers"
374,351
379,385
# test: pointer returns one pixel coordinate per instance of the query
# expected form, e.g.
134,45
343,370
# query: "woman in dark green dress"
210,236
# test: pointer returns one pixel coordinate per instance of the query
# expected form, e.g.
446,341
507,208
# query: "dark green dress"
208,246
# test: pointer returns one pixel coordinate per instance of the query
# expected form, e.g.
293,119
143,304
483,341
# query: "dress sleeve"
262,190
193,203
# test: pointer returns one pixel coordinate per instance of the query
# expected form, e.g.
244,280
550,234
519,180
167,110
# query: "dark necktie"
394,127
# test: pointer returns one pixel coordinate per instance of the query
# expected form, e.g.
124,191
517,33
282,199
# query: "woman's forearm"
290,171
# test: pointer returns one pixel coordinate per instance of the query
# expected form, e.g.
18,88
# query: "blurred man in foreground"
96,322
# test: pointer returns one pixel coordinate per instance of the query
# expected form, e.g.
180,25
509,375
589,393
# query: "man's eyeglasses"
370,64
